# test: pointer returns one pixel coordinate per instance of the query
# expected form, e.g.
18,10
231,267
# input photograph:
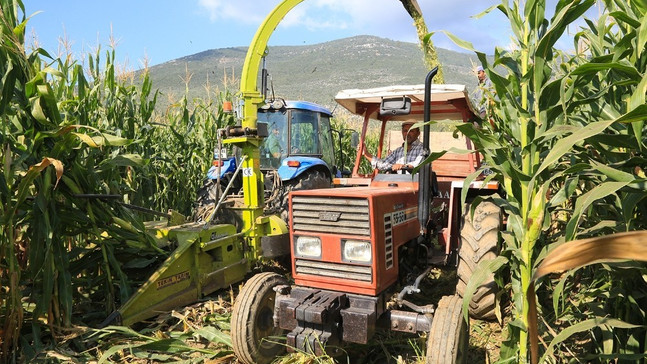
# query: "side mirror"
395,106
354,140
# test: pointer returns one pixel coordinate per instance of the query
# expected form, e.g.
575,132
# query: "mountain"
312,72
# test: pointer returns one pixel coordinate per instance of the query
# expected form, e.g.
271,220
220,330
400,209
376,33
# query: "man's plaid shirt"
414,156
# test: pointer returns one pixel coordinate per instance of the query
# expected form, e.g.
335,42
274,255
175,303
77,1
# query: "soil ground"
213,315
390,347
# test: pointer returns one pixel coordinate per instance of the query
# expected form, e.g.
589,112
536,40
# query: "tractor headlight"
356,251
308,246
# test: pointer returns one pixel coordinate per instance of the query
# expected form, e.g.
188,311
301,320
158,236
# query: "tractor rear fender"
228,166
292,167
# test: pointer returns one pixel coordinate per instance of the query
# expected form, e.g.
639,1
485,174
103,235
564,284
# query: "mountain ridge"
312,72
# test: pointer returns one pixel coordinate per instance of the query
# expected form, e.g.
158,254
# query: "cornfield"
80,140
572,166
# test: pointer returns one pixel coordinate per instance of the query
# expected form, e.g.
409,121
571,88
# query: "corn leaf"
584,201
586,326
214,335
34,171
87,139
579,253
565,145
483,270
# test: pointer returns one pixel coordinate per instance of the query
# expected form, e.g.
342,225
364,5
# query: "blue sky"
162,30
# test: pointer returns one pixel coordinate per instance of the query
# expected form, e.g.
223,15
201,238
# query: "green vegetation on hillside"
315,72
566,140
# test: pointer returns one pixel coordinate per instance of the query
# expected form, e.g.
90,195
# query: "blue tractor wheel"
208,195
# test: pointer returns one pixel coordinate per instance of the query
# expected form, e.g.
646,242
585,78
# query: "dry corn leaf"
579,253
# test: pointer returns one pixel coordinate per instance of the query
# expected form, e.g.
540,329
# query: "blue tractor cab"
297,154
299,139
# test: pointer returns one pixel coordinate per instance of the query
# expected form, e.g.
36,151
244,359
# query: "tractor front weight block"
320,320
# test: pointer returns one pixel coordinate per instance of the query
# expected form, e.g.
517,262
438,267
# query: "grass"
212,316
199,333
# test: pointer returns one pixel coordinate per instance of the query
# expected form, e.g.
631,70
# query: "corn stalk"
561,118
70,130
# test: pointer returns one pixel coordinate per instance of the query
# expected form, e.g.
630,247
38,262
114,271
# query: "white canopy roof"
447,101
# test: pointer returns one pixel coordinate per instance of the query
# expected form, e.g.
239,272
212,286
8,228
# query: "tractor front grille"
331,215
334,270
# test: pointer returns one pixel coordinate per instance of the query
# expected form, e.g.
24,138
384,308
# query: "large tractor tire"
208,194
253,334
448,339
479,238
205,201
309,180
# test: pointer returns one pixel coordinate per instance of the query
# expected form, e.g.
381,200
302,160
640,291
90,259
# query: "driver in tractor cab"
274,146
396,162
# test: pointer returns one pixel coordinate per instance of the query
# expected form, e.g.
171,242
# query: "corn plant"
609,68
53,239
572,128
184,137
622,303
78,141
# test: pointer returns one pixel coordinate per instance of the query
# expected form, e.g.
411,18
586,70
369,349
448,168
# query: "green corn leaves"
580,253
572,163
71,134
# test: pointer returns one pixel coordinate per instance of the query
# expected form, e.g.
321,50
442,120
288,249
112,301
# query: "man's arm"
387,163
414,157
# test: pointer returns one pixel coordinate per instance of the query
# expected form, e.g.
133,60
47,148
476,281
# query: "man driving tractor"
400,159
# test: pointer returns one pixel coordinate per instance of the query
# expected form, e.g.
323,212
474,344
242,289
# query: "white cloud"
315,14
246,11
303,16
357,16
389,19
384,18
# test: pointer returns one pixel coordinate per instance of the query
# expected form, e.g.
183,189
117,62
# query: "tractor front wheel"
479,238
448,339
253,334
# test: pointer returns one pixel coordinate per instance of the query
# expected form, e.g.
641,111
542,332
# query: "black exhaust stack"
424,180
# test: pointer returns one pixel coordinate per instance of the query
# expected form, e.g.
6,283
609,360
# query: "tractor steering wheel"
407,169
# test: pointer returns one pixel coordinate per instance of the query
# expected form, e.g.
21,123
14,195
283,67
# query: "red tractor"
358,251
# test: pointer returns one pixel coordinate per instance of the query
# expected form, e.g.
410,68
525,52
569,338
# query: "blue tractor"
297,154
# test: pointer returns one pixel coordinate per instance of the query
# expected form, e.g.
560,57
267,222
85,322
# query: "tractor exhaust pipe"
424,180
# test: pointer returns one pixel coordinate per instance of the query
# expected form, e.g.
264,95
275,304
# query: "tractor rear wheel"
309,180
479,238
208,194
205,201
253,334
448,339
